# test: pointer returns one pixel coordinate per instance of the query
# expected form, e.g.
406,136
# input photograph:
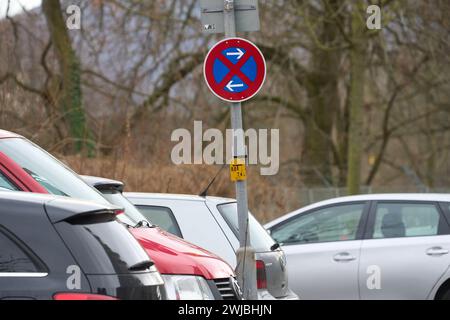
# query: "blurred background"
358,110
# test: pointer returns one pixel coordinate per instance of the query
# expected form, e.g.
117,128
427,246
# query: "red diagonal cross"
235,70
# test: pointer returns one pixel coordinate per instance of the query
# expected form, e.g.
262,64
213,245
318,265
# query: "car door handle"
343,257
437,251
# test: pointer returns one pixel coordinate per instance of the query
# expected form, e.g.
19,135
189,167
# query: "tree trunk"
70,96
358,65
323,103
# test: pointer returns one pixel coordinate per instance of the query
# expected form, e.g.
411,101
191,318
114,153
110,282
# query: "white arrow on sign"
230,85
239,53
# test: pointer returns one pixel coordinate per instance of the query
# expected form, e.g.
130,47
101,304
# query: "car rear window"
260,240
101,245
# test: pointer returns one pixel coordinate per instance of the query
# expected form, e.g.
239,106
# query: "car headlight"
180,287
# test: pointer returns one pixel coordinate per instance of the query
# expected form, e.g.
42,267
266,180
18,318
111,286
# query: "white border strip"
23,274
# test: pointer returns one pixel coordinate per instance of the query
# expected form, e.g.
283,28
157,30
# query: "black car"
58,248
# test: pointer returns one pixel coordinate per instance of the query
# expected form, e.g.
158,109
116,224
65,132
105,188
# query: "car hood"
173,255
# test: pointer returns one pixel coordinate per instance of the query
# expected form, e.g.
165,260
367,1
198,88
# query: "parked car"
215,271
192,271
185,215
26,167
63,249
386,246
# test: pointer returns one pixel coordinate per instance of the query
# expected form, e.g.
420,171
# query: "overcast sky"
15,6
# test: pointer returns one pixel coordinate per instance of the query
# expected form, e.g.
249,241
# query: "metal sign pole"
246,263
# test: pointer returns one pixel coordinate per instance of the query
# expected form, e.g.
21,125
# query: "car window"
162,217
101,245
333,223
5,184
13,258
132,215
259,238
53,175
395,220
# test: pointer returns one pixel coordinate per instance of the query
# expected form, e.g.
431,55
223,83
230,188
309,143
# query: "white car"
211,223
386,246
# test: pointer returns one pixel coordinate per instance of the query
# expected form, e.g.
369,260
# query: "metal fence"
270,204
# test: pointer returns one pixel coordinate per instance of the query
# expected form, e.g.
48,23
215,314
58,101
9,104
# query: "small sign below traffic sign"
235,69
246,15
238,172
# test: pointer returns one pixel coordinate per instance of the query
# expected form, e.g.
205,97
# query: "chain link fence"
309,196
285,200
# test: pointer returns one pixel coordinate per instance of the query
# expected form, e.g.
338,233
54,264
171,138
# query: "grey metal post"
246,263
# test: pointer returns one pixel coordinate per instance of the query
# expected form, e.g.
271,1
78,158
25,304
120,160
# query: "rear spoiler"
69,209
103,183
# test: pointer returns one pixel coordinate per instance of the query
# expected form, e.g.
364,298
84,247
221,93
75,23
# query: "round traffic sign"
234,69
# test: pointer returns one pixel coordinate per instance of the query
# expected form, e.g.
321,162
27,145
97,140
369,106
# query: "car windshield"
52,174
132,214
259,238
5,184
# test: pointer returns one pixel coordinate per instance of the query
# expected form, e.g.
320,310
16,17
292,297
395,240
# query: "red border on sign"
219,88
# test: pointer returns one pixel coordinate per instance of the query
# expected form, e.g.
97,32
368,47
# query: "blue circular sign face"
235,69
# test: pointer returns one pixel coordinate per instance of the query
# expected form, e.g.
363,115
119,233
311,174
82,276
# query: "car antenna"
205,192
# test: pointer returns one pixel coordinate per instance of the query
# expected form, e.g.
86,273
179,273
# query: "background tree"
357,81
68,95
141,78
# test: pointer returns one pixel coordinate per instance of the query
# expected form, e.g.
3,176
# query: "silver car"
211,223
387,246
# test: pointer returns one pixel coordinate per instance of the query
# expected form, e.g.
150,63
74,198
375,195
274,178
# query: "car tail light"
81,296
261,278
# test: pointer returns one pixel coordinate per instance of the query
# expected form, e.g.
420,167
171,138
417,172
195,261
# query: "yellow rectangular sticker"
238,171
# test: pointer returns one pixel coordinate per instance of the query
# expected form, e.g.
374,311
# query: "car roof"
219,200
173,196
441,197
58,207
7,134
25,197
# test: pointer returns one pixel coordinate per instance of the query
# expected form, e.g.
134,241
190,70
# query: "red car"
190,272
